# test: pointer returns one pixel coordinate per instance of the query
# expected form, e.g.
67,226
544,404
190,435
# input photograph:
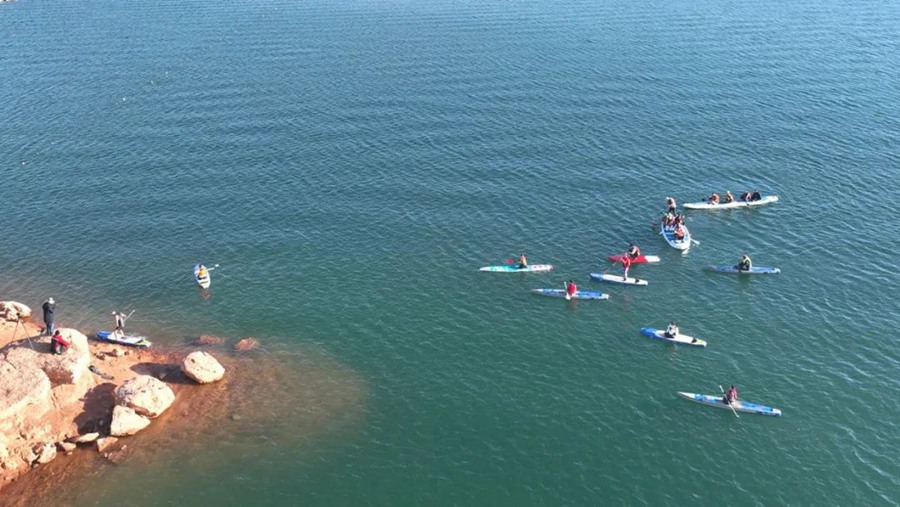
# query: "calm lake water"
350,165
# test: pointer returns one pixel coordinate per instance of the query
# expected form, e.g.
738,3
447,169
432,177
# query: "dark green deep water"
351,164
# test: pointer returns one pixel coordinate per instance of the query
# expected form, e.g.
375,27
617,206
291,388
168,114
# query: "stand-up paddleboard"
202,281
640,259
531,268
604,277
731,205
560,293
755,270
683,339
738,405
669,235
134,341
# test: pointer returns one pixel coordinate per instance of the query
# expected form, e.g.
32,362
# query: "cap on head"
50,300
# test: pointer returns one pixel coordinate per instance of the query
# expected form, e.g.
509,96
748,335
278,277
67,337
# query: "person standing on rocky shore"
49,317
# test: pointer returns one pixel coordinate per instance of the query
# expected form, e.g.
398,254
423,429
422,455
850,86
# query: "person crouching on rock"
58,344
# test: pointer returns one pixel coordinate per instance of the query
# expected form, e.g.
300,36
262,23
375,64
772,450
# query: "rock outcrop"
126,422
13,311
34,386
248,343
202,367
209,340
146,395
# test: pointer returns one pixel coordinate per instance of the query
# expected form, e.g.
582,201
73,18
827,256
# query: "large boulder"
45,453
146,395
70,367
24,392
126,422
202,367
248,343
13,311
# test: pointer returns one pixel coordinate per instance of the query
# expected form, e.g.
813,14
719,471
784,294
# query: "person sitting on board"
679,232
671,330
731,395
745,263
670,205
633,251
668,220
58,344
714,199
571,288
523,262
626,263
728,197
756,196
201,273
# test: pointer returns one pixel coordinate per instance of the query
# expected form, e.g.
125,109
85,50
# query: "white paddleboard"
605,277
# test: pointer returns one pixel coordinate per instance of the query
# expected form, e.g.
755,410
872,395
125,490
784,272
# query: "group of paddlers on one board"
745,197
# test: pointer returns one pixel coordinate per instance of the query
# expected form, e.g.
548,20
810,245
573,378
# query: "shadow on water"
265,402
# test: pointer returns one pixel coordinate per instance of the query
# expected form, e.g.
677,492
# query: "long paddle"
729,404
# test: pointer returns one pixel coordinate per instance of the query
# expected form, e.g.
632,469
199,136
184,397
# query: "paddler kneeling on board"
523,262
571,289
731,395
728,197
633,251
745,263
671,330
679,232
756,196
201,273
714,199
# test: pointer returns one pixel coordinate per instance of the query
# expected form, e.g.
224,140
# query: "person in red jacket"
58,344
571,289
731,395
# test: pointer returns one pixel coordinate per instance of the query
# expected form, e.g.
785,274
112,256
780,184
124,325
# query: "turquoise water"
350,165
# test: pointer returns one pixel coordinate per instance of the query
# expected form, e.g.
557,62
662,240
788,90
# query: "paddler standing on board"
626,263
745,263
120,319
670,205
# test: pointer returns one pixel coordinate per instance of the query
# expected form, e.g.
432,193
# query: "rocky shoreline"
93,395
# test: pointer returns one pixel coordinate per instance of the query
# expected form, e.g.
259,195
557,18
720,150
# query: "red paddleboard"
640,259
